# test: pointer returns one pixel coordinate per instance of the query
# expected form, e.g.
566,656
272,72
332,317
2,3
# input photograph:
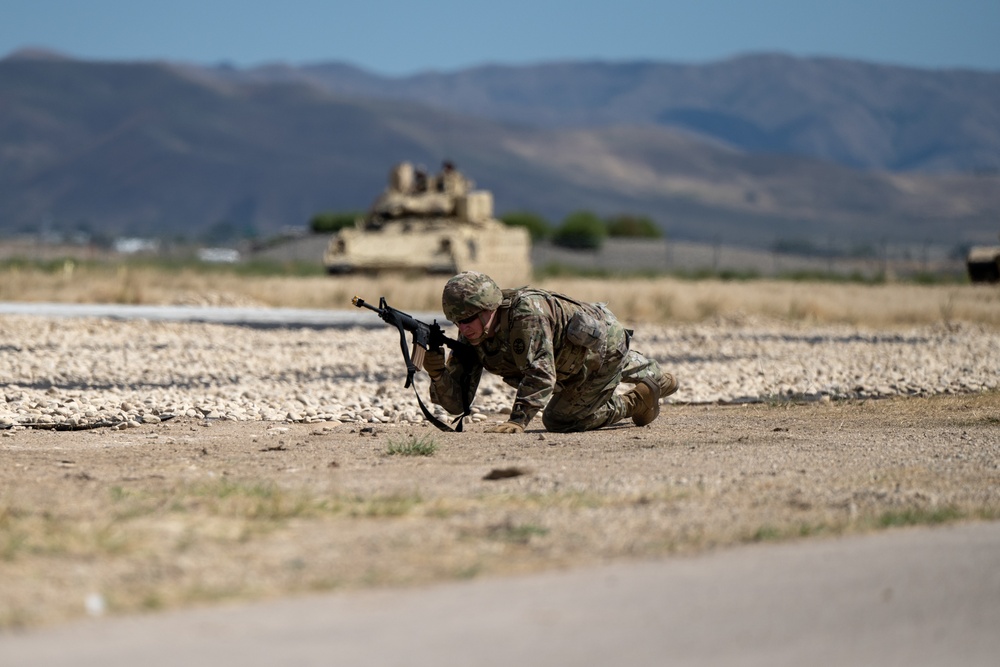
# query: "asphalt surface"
255,317
910,597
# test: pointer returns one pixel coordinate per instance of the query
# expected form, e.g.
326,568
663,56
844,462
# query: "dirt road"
199,512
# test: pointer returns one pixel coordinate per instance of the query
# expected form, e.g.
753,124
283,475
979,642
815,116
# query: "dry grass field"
654,300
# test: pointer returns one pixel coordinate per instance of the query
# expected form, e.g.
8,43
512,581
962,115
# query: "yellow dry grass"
652,300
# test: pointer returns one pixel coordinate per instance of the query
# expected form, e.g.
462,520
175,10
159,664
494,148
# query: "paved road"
257,317
910,597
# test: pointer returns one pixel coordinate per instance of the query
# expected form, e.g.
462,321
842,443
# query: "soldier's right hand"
434,363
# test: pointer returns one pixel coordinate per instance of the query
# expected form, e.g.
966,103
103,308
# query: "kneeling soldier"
561,354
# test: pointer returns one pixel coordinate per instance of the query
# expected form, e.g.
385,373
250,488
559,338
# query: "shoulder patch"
518,346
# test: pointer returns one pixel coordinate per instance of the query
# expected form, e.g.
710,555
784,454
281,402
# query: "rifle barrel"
360,303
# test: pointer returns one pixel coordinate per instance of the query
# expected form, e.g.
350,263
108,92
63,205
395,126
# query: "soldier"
451,181
562,354
421,180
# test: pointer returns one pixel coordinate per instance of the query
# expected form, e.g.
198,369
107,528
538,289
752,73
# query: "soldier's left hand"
434,363
505,427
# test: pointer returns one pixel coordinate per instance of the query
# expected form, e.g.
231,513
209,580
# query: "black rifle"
425,337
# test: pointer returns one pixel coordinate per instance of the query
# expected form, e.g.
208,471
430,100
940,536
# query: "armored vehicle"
423,224
983,263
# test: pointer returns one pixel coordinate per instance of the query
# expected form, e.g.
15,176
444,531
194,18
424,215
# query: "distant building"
224,255
132,246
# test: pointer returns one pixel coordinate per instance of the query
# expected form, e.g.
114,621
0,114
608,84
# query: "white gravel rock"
79,373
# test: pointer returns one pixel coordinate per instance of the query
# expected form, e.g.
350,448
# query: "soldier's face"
476,329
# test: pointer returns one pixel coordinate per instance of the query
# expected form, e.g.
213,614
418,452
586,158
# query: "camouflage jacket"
539,339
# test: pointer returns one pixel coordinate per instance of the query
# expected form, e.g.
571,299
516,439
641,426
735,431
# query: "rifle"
425,337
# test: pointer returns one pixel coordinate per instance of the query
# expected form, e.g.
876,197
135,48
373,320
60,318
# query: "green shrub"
581,230
328,222
633,226
537,226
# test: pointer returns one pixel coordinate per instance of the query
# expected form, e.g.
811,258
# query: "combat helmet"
469,293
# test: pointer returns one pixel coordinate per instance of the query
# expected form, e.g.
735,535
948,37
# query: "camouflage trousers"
588,401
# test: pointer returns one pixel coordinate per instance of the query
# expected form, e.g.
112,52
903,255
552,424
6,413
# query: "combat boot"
642,402
668,384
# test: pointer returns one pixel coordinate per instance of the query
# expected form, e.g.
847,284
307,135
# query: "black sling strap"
411,370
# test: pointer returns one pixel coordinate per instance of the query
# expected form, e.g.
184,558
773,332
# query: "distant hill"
174,150
854,113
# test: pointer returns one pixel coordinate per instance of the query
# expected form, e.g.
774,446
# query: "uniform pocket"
585,330
587,338
570,360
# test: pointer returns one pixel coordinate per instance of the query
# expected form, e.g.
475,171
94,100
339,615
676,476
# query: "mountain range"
749,151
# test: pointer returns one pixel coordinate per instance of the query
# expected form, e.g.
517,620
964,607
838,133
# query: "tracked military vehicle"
424,224
983,264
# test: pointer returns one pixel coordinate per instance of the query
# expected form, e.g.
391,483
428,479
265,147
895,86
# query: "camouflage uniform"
561,354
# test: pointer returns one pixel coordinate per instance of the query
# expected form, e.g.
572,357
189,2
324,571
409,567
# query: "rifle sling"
411,370
434,420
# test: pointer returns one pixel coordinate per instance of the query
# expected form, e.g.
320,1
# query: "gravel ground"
157,465
77,373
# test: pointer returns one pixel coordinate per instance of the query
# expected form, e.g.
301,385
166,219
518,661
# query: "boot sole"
651,412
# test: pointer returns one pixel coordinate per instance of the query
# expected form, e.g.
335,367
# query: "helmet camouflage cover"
469,293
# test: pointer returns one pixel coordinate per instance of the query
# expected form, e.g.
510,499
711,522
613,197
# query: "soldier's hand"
434,363
505,427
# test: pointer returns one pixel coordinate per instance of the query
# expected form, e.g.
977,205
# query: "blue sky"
394,38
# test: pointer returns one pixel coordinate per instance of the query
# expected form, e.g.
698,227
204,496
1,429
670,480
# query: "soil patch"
194,511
